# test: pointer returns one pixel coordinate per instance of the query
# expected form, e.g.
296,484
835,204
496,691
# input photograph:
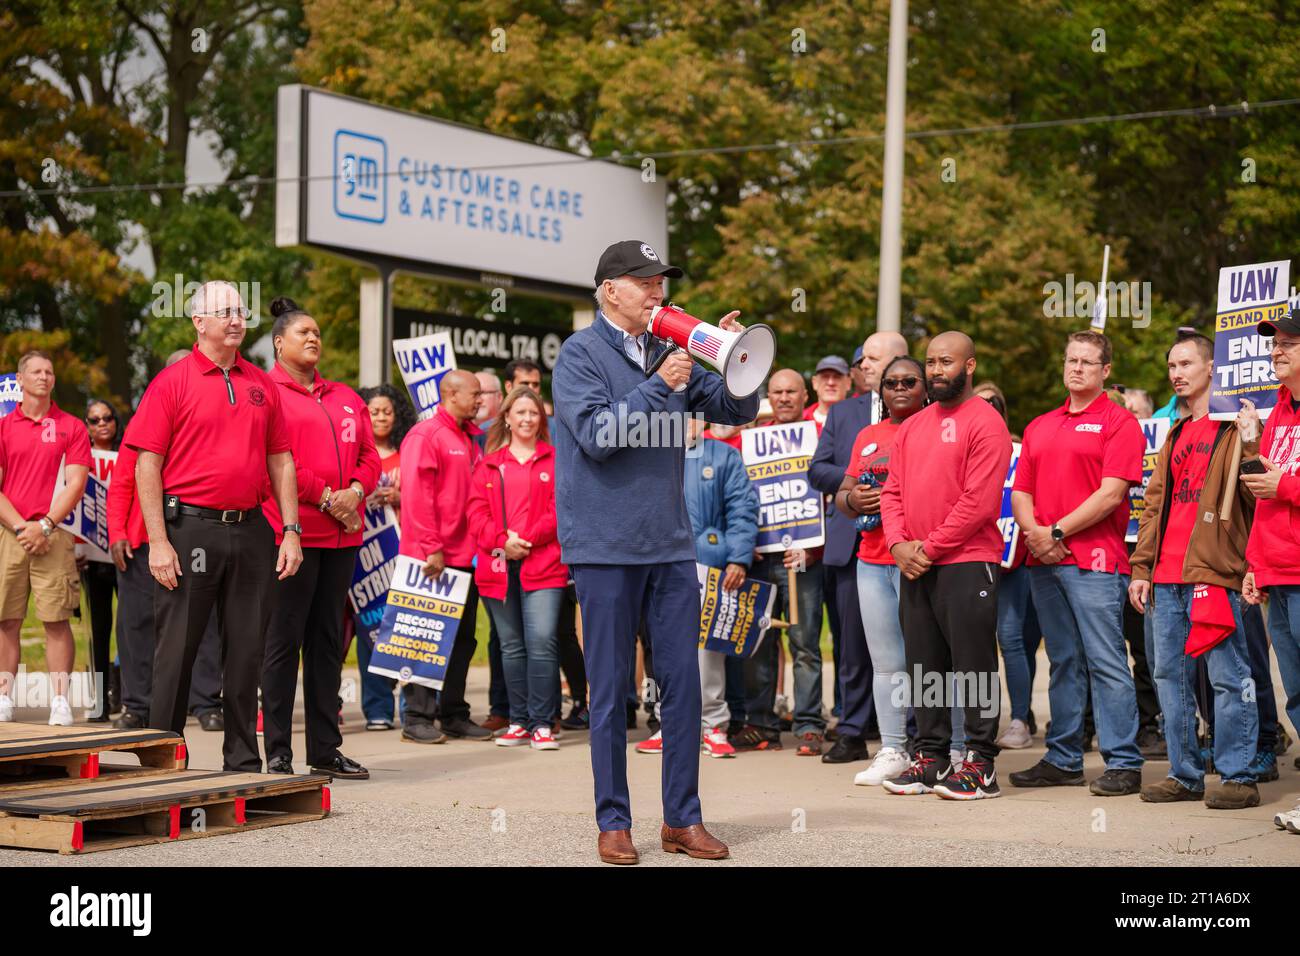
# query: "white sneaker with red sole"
543,739
514,736
714,743
652,745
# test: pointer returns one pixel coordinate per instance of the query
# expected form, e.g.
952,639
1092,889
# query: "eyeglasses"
1081,363
226,314
1285,346
93,420
900,384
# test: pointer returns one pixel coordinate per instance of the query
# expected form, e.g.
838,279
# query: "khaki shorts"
52,577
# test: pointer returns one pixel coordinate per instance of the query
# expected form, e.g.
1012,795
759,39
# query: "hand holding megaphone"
743,355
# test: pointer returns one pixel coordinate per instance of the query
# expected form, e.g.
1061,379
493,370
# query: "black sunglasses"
92,420
899,384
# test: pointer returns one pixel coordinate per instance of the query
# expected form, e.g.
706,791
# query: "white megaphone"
744,358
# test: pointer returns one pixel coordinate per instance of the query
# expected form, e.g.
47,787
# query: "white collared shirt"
633,346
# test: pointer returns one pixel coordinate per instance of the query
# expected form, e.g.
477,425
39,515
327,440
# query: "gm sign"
360,186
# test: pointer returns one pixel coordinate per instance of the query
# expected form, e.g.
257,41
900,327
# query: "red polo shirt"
1064,457
213,430
33,452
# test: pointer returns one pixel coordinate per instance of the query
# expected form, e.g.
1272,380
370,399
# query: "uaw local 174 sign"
790,512
423,362
733,622
420,623
1154,430
1243,366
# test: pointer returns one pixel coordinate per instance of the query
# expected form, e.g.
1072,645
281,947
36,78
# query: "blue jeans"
526,623
1082,613
1236,718
376,689
1284,629
891,684
805,650
1015,605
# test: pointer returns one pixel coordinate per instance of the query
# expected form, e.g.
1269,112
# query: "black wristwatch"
295,528
1057,533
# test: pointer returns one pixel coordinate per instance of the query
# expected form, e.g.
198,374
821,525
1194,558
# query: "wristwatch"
295,528
1057,533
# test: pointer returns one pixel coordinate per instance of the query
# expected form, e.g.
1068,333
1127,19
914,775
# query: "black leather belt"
215,514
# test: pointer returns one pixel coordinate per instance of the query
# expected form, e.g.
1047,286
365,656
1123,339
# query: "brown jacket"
1216,550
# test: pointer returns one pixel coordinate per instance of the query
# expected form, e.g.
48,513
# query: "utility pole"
888,302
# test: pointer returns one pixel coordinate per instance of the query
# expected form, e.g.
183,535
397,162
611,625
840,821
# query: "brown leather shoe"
694,841
615,846
495,723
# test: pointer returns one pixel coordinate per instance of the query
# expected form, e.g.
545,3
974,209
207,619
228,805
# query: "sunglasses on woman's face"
901,384
92,420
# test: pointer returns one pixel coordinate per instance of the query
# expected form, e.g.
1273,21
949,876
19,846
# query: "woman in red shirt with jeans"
518,571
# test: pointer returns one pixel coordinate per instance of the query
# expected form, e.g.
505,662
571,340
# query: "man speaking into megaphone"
623,526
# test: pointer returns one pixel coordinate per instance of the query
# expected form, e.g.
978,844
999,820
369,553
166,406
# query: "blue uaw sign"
733,622
1006,523
1154,431
1243,366
10,393
419,624
376,559
423,362
790,513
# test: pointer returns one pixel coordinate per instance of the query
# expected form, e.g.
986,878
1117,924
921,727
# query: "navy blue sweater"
618,456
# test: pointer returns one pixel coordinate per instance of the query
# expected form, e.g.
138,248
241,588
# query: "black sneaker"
846,749
1044,774
756,738
465,729
975,779
921,776
1117,783
579,718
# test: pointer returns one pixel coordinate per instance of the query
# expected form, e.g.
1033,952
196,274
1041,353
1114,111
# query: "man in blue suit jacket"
845,420
625,534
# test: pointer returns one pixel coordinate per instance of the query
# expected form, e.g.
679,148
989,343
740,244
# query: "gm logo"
360,186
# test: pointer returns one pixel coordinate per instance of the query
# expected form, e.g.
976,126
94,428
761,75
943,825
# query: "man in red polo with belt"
210,434
38,442
438,459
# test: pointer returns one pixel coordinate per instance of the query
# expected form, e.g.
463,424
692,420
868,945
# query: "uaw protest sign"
423,362
420,623
373,571
1243,365
790,511
1006,521
733,622
1154,430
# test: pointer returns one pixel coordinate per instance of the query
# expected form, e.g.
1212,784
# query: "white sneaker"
889,762
60,712
1283,817
1015,737
6,708
956,758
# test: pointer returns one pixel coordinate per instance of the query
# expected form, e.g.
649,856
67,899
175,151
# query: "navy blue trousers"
614,599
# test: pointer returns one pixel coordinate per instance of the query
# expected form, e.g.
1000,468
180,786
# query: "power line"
1206,112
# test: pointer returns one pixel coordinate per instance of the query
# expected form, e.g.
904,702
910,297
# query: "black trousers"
570,651
424,704
949,618
307,622
135,644
854,675
100,581
229,568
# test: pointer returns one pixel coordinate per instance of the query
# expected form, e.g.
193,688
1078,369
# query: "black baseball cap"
1289,323
632,257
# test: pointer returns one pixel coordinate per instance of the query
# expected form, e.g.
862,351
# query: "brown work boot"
494,723
615,846
1233,795
694,841
1169,790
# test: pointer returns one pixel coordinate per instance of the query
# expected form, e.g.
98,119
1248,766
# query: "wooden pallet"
91,815
36,752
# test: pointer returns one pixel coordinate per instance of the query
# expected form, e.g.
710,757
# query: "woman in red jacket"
518,571
334,453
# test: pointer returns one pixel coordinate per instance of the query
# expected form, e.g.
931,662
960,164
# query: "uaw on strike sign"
790,511
420,623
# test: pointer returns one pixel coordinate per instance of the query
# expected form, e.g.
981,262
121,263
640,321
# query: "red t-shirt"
1189,462
1063,459
33,454
389,468
214,434
872,548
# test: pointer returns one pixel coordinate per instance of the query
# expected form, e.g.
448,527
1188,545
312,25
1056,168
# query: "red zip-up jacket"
333,444
438,461
1273,550
542,568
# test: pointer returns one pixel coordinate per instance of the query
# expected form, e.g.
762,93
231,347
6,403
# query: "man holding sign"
626,535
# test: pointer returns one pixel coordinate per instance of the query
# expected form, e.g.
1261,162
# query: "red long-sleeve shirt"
946,472
438,461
